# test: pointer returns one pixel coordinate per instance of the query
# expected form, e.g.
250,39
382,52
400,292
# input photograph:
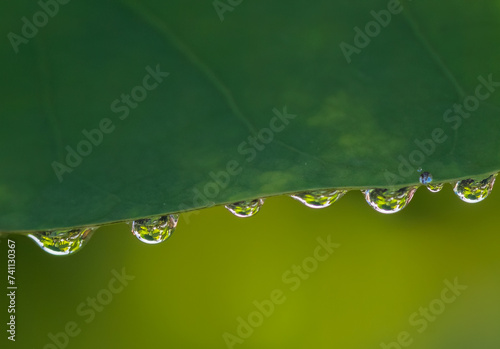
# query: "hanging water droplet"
62,242
154,230
389,201
472,191
245,208
435,187
319,198
425,178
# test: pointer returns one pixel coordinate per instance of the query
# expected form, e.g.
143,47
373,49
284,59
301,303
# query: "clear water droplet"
245,209
62,242
154,230
435,187
425,178
389,201
472,191
419,169
319,198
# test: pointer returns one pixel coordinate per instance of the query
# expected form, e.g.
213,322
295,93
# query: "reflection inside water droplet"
154,230
435,187
389,201
245,208
425,178
62,242
472,191
319,198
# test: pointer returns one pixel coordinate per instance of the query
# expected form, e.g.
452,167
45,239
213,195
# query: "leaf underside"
353,123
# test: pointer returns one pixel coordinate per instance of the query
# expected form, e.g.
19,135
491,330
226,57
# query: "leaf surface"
185,143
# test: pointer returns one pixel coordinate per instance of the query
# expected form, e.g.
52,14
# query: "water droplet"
389,201
472,191
435,187
154,230
319,198
425,178
62,242
245,208
419,169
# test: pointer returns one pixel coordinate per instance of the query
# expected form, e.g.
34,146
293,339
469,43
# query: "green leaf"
350,125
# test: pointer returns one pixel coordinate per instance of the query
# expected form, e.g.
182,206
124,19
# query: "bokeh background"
190,290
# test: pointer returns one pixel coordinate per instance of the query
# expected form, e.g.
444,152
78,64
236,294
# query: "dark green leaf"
354,121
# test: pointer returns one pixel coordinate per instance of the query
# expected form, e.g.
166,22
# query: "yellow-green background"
189,290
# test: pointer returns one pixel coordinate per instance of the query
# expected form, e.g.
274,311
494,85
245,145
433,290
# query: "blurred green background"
190,290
